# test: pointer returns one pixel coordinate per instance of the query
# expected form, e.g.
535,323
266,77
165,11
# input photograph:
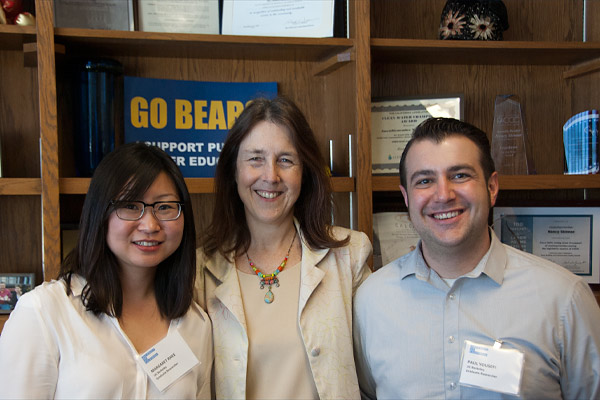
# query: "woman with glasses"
120,322
275,277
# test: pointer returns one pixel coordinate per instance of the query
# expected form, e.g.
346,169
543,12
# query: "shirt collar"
78,282
495,264
413,263
492,264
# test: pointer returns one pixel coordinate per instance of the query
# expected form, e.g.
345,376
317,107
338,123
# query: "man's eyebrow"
460,167
454,168
421,172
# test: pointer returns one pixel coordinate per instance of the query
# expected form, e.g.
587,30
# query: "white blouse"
53,348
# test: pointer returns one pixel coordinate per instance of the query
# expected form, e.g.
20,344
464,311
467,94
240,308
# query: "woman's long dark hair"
228,231
126,174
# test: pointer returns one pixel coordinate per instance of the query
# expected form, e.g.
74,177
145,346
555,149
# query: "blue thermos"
100,113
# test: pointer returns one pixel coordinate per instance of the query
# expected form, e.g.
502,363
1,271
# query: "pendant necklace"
270,279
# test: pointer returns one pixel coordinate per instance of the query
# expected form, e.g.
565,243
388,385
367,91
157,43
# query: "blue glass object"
100,105
580,139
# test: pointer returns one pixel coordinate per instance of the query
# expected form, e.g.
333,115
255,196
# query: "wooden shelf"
343,184
195,185
186,45
515,182
541,182
20,186
12,37
416,51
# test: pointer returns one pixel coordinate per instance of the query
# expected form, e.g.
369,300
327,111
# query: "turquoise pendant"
269,297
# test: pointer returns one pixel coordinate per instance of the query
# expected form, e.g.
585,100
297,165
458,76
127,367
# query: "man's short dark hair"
438,129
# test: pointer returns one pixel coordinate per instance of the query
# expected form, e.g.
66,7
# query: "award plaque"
179,16
98,14
567,236
509,138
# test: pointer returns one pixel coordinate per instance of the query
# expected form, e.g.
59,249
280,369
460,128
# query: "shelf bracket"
583,68
332,63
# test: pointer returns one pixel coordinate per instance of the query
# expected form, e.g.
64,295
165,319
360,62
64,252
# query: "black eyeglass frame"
115,204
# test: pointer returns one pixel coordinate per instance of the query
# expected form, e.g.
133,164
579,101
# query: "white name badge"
491,368
168,360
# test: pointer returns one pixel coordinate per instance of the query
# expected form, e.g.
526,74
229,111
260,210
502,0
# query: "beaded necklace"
270,279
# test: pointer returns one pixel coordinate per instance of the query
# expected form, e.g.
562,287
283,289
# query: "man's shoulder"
389,275
543,269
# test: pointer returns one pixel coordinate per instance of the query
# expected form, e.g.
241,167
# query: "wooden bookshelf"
391,51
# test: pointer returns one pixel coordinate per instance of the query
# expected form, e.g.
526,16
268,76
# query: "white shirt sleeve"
29,355
363,370
580,331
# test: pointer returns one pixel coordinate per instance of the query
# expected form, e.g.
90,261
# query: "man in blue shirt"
463,315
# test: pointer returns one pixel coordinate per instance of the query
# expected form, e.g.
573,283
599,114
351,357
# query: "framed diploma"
568,236
115,15
393,237
393,121
179,16
291,18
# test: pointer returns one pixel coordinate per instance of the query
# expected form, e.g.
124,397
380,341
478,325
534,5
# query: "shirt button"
315,351
452,385
450,339
452,296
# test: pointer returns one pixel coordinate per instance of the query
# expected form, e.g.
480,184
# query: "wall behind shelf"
19,122
20,215
20,235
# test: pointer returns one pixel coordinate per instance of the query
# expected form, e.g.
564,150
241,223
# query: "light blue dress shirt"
410,327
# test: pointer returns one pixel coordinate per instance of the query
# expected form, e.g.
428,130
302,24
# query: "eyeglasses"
134,210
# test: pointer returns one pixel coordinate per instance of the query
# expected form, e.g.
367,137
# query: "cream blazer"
328,281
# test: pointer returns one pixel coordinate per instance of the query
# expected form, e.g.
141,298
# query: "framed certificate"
393,237
568,236
115,15
291,18
179,16
393,121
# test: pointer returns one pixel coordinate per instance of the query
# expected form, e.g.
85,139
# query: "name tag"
491,368
168,360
